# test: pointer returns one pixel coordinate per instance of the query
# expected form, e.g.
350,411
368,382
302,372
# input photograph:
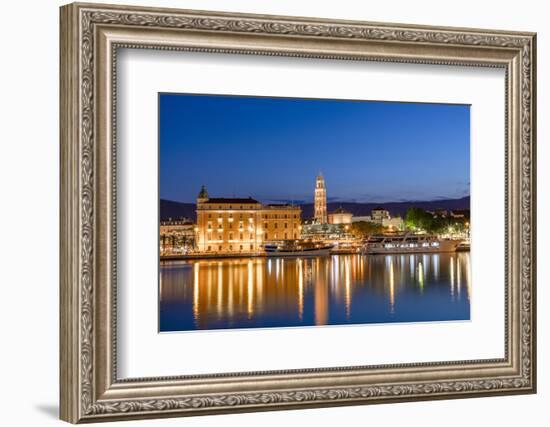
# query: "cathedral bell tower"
320,200
203,196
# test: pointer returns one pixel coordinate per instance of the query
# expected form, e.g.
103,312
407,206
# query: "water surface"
330,290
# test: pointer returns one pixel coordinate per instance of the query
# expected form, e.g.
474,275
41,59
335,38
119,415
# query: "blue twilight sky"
273,148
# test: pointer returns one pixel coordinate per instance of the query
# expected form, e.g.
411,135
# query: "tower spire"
203,195
320,200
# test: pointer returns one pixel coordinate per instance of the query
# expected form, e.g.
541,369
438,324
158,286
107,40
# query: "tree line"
416,220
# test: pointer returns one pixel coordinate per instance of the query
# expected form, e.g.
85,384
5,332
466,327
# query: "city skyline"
269,149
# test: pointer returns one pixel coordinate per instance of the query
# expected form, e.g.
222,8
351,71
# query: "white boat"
297,249
409,243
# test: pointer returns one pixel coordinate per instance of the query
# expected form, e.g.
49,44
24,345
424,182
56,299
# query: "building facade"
394,224
382,216
325,232
242,225
320,208
379,215
365,218
460,213
176,236
340,216
281,222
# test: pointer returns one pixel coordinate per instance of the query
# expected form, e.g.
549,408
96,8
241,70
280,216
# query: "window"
286,224
276,225
251,247
286,235
241,247
266,236
241,236
241,215
230,236
209,248
220,247
251,236
265,225
209,236
219,236
209,215
209,225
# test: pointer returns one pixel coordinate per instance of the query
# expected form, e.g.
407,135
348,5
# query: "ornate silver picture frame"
90,387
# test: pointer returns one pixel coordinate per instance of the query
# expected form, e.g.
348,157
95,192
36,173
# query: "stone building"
379,214
340,216
242,225
176,236
281,222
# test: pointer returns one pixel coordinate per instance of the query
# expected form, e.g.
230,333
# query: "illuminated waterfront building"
320,213
379,214
281,222
439,213
176,236
395,223
340,216
325,232
242,225
382,216
460,213
362,218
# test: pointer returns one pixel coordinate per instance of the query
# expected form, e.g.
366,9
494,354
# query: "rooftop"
282,206
340,210
222,200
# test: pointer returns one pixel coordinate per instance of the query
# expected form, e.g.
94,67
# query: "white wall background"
29,171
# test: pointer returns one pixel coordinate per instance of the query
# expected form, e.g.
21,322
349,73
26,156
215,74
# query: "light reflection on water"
332,290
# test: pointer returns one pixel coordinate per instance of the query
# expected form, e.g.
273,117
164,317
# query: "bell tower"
203,195
320,200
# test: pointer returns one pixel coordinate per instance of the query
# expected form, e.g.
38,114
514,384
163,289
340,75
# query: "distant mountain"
171,209
394,208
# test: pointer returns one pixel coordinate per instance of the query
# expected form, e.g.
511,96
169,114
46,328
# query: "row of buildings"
245,225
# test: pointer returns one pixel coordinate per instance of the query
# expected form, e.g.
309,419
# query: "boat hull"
313,252
444,246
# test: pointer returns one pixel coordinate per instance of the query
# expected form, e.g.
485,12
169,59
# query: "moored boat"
297,249
409,243
464,246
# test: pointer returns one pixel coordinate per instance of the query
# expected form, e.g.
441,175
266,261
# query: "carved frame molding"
90,37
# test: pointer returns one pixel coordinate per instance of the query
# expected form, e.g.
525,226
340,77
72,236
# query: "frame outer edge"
533,207
69,224
77,339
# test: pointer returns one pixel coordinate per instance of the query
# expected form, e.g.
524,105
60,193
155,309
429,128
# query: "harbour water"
331,290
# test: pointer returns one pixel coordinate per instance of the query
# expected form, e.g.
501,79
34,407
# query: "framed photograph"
266,212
